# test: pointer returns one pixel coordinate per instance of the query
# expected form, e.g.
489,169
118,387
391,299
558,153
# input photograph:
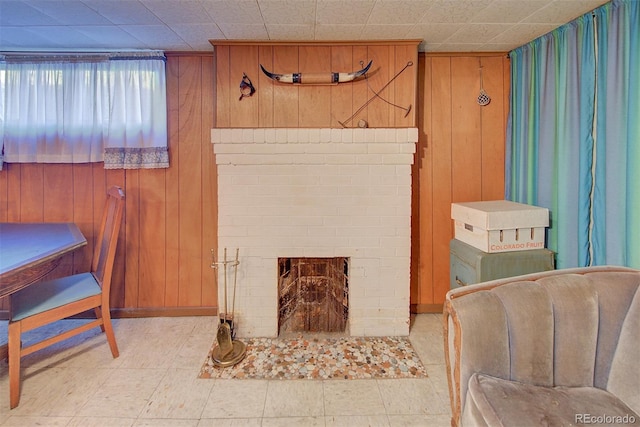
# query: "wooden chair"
47,302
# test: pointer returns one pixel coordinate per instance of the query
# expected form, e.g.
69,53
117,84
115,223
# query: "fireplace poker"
225,284
233,298
225,343
377,95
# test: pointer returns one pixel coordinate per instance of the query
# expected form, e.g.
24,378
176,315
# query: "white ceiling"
187,25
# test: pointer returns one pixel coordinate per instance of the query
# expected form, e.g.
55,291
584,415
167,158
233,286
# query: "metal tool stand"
229,351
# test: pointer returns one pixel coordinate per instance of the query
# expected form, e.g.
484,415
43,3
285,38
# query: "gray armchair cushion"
496,402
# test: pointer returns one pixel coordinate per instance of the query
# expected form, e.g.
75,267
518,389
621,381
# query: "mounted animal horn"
316,78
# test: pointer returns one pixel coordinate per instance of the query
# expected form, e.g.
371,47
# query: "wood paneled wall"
298,105
163,258
460,157
163,261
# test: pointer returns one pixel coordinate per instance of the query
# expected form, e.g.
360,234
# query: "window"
83,108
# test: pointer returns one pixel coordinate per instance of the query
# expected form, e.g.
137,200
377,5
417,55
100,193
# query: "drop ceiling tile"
244,31
477,33
70,12
156,37
462,47
560,12
233,12
338,32
523,33
433,33
290,32
310,19
429,47
398,12
17,13
330,12
63,37
288,12
198,34
18,38
382,32
500,47
454,11
124,12
178,12
505,11
110,37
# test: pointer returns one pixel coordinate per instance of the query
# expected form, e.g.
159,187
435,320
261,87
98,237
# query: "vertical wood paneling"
4,193
152,255
315,101
360,87
460,157
378,111
190,186
57,197
285,96
404,86
31,192
223,87
264,88
466,138
441,117
243,113
422,194
209,187
172,207
82,180
493,128
341,95
14,192
132,242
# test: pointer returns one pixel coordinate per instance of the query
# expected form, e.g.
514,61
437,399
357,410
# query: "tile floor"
154,383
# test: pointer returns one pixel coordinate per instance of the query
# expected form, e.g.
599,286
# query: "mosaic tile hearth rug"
322,358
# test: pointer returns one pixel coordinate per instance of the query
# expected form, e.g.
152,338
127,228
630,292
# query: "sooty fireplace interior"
313,294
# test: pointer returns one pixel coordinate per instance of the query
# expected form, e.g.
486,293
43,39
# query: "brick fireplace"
317,193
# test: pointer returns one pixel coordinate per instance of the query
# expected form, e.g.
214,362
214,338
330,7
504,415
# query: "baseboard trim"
122,313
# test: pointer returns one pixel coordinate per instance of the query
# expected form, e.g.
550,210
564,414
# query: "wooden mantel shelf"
411,42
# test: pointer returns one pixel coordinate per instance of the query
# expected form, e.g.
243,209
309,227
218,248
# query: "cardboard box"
500,225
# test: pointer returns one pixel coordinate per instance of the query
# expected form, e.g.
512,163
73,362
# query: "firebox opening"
313,294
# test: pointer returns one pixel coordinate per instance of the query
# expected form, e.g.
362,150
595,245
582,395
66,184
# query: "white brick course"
298,192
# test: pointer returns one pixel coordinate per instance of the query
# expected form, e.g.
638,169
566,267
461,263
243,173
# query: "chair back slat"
107,239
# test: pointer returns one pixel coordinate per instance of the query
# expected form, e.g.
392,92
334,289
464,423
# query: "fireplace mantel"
315,192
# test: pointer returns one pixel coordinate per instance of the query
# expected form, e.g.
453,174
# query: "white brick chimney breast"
300,192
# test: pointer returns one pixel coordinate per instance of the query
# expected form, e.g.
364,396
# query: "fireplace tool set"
229,351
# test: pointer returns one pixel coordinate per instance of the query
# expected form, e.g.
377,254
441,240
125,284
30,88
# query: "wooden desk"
28,251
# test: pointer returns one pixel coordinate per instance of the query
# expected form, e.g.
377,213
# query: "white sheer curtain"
85,108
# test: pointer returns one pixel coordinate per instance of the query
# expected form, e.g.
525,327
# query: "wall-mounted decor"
246,87
316,78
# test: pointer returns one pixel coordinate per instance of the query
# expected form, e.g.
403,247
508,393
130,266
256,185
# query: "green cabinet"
469,265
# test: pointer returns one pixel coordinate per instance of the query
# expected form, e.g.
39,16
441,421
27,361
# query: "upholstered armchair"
555,348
